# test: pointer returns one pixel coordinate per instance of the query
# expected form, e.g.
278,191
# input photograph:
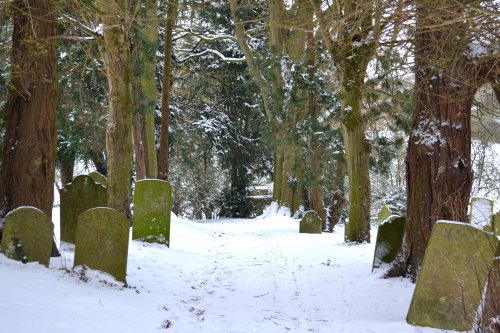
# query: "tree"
29,154
115,49
455,54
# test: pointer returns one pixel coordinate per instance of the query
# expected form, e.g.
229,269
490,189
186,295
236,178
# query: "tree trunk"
337,201
145,91
115,52
29,154
67,166
163,164
357,157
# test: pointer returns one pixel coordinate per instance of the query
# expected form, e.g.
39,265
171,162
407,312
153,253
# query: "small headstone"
27,235
152,207
383,214
496,224
389,239
76,197
489,311
311,223
481,212
102,241
99,178
453,274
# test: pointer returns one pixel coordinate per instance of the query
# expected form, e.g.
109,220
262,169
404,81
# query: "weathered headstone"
27,235
383,214
496,224
389,238
99,178
453,274
481,212
489,311
76,197
311,223
102,241
152,207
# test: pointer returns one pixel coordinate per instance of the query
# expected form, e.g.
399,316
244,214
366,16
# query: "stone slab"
311,223
389,239
99,178
383,213
481,212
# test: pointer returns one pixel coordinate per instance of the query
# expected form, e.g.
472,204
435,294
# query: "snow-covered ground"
256,275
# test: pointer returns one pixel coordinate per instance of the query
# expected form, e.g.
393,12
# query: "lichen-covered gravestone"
81,194
383,214
27,235
389,238
102,241
152,207
481,212
311,223
453,274
99,178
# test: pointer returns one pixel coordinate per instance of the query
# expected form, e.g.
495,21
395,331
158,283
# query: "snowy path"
220,276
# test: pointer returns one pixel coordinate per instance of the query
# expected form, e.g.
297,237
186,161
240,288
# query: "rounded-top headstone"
311,223
481,212
102,241
28,235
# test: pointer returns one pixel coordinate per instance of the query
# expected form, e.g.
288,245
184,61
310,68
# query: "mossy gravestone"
311,223
389,238
383,214
481,212
102,241
99,178
81,194
152,206
27,235
453,274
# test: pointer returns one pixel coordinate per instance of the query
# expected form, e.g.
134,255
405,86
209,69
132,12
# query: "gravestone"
490,307
383,214
481,212
152,207
311,223
496,224
76,197
99,178
28,235
102,241
389,239
453,274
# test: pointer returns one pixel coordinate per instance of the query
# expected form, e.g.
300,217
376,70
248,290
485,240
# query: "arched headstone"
481,212
28,235
311,223
102,241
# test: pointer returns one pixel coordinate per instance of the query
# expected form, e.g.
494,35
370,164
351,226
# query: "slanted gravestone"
102,241
311,223
383,214
27,235
489,310
152,207
389,238
76,197
481,212
453,274
99,178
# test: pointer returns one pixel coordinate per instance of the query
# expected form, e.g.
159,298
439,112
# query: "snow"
257,275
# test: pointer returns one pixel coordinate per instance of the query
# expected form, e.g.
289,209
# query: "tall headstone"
27,235
102,241
481,212
453,274
99,178
383,214
152,207
311,223
76,197
389,239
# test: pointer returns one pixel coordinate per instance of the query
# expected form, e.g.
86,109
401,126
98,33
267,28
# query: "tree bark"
163,164
115,52
29,154
337,201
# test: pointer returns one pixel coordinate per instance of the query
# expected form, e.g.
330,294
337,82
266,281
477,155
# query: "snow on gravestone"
102,241
481,212
311,223
99,178
28,235
453,274
389,238
78,196
152,206
383,213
